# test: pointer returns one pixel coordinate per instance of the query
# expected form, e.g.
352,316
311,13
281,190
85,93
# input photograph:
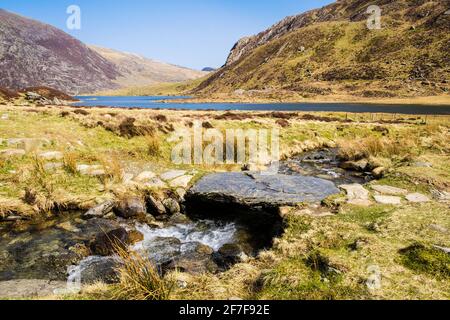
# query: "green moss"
293,280
426,260
366,215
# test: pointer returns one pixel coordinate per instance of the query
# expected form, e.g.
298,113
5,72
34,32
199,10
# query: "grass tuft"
140,279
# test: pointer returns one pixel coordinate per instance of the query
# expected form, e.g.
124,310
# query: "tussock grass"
140,279
153,145
426,260
70,162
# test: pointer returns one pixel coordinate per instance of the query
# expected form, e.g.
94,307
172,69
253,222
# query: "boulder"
155,206
94,269
104,244
135,236
162,250
417,198
179,218
171,206
388,190
100,210
251,190
194,263
133,207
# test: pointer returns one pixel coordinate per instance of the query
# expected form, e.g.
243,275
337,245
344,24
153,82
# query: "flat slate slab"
257,189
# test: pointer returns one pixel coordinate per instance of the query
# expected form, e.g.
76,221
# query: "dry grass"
373,146
153,145
70,162
113,167
140,280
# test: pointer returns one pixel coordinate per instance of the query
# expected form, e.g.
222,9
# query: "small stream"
51,249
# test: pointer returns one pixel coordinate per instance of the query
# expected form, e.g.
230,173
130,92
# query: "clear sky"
191,33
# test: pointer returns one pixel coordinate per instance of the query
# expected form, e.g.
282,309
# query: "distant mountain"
208,69
34,54
136,70
332,51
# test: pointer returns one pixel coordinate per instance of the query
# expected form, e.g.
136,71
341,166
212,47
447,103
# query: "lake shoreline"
183,103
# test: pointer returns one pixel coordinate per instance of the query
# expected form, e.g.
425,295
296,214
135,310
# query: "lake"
156,103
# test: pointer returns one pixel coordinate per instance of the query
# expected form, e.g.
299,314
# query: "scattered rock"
170,175
357,194
423,165
388,190
155,183
171,206
100,210
155,206
379,172
51,155
179,218
12,153
105,244
360,165
388,200
52,166
439,228
133,207
145,176
182,182
417,198
91,170
230,254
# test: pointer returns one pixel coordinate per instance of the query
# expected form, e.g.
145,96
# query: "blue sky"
191,33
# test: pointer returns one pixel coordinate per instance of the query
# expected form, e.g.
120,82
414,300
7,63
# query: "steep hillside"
139,71
331,51
36,54
33,54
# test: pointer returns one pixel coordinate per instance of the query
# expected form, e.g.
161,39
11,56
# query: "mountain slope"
331,51
139,71
36,54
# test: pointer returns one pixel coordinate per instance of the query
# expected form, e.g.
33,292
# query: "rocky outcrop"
258,192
